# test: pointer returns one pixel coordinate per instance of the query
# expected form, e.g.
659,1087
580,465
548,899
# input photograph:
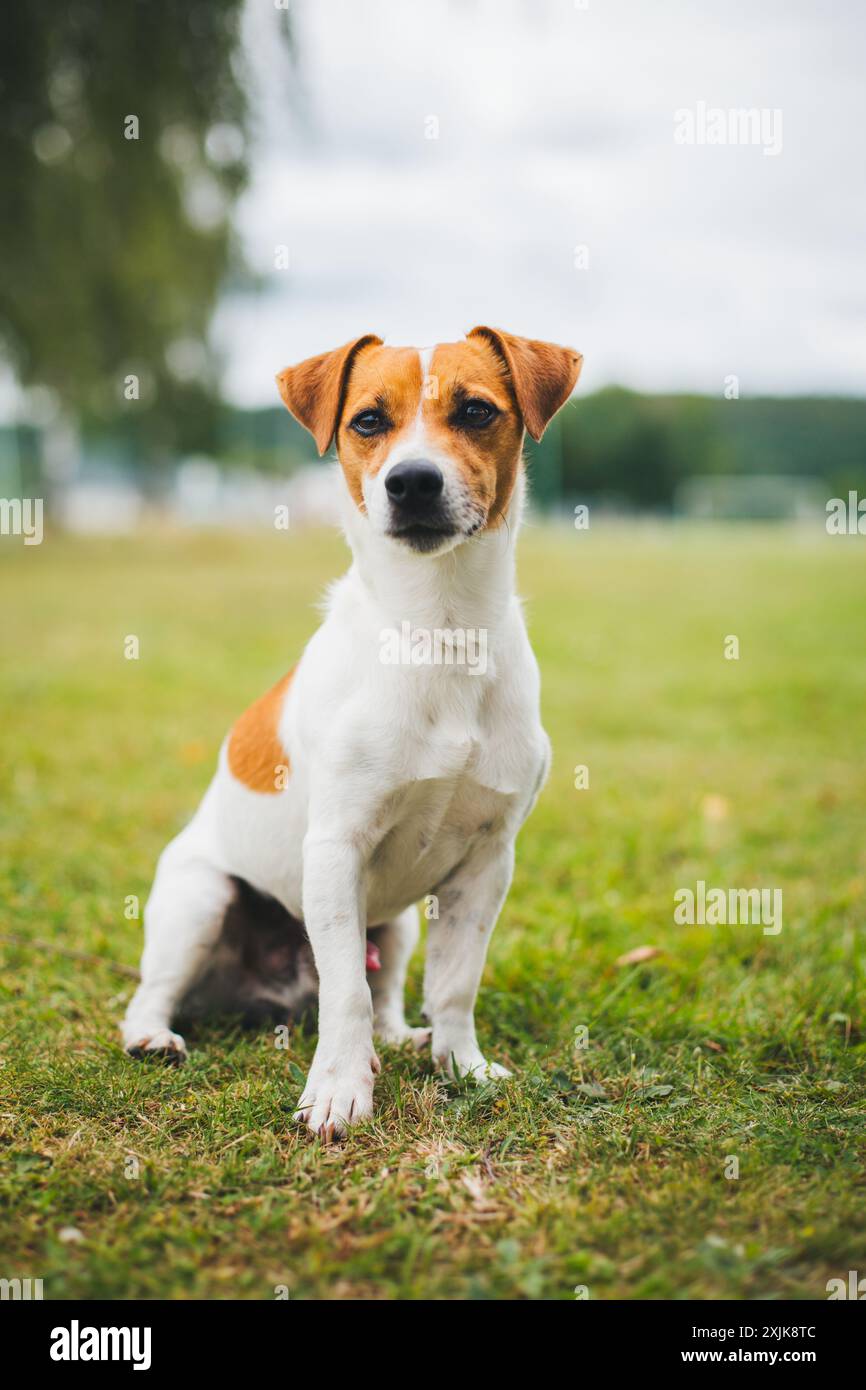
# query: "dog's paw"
470,1064
397,1033
164,1045
337,1095
490,1071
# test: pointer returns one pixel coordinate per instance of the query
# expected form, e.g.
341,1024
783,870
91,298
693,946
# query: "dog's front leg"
468,903
339,1089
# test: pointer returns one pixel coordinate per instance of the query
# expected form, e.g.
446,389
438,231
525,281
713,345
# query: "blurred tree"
635,450
123,147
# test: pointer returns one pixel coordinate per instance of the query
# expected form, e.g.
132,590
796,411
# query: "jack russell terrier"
359,786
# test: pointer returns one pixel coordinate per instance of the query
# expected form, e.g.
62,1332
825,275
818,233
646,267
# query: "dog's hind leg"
396,940
182,923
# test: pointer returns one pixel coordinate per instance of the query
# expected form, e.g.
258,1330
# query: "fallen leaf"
640,953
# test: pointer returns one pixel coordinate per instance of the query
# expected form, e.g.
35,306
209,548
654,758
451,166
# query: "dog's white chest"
450,748
433,823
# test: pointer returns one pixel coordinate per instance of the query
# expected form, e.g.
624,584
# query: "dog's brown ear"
543,374
313,390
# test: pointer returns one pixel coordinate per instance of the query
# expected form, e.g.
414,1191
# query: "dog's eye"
475,413
369,422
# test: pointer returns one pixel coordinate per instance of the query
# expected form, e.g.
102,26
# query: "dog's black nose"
414,485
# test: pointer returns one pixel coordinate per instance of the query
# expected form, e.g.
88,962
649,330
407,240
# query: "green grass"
601,1166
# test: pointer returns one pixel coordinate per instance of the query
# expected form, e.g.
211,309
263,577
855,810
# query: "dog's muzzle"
418,511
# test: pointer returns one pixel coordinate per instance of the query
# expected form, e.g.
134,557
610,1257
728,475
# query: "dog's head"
430,441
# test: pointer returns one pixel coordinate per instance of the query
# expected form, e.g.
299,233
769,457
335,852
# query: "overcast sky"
556,128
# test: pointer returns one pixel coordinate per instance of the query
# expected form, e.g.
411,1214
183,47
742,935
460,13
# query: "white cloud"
556,128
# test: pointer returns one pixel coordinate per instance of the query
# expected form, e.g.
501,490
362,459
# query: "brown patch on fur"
313,390
543,374
488,458
381,378
255,751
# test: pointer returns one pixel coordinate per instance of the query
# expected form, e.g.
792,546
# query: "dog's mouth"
423,535
426,534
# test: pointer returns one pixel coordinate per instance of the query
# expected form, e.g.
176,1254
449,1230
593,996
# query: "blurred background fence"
616,450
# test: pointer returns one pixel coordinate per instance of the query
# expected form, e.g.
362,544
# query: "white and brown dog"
359,786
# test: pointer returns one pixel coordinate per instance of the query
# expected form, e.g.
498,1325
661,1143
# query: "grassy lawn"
606,1165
